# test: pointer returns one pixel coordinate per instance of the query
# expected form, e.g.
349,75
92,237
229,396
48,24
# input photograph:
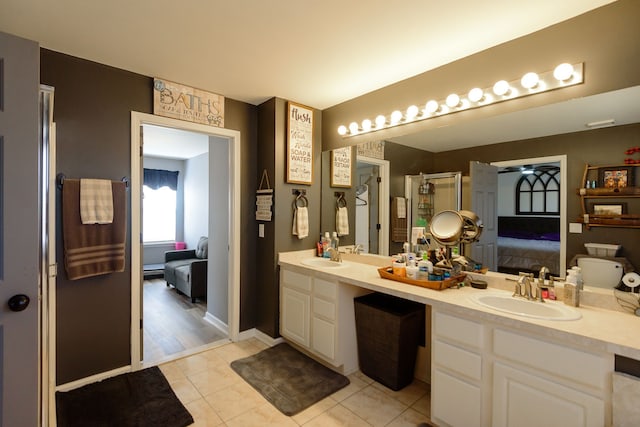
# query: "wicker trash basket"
389,330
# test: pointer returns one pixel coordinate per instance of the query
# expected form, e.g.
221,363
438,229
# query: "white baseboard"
268,340
217,323
93,379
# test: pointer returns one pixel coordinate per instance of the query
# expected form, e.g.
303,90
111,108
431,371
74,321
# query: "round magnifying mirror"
446,227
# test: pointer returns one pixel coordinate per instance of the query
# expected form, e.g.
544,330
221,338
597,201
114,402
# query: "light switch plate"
260,230
575,227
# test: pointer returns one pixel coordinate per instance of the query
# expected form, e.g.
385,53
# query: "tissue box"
602,249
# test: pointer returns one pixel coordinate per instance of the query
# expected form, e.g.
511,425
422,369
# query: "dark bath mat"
288,379
141,399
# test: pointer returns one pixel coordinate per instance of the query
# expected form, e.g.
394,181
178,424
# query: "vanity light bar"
563,75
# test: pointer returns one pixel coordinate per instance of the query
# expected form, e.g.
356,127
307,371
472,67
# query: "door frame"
233,137
383,201
562,159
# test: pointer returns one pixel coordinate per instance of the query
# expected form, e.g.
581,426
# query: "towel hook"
341,202
300,198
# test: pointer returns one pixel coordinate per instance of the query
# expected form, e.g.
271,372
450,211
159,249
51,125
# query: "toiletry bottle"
335,241
326,244
578,273
319,248
571,294
412,270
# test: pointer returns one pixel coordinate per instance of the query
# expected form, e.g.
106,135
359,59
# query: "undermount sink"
322,263
526,308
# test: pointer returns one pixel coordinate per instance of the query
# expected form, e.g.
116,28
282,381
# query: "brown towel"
398,220
93,249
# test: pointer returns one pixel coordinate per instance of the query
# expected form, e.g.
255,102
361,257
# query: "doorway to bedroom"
207,205
532,215
175,212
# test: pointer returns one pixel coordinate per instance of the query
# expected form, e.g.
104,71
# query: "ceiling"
173,143
315,52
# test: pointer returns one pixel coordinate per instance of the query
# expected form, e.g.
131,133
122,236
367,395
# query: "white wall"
219,205
196,199
507,193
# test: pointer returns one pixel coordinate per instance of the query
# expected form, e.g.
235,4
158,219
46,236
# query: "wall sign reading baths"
186,103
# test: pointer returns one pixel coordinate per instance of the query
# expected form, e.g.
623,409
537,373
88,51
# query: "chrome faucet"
523,286
334,255
357,249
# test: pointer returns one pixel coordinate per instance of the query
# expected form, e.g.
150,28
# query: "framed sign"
186,103
341,167
299,144
619,177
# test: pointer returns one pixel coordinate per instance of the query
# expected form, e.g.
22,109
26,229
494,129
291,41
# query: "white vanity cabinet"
491,375
456,371
318,316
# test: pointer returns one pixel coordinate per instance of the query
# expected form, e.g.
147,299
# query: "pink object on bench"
181,245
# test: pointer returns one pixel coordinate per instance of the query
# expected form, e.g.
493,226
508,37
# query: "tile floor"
217,396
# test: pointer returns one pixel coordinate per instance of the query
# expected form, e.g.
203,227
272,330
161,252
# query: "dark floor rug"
141,399
288,379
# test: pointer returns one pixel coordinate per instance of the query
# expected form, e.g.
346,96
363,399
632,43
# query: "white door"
19,225
484,202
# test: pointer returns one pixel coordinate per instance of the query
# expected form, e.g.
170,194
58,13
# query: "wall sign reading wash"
186,103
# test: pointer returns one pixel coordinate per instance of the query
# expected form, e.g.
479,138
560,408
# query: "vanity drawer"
296,280
457,360
324,308
458,330
325,289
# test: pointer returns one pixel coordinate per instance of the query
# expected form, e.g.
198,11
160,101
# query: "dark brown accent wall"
92,111
93,103
272,144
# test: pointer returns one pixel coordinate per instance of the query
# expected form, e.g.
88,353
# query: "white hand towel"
401,207
300,222
96,201
342,221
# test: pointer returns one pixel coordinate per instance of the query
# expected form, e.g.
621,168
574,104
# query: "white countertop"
599,329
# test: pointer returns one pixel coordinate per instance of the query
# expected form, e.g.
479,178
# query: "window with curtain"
159,195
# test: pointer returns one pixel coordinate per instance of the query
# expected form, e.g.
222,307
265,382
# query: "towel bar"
61,177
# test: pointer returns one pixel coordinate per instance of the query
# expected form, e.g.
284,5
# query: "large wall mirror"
532,141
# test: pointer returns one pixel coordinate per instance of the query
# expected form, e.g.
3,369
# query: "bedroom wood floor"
172,324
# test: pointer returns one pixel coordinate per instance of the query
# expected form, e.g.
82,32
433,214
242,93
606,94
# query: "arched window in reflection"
538,193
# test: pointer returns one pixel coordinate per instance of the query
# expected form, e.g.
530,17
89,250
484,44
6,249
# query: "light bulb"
530,80
501,88
353,127
431,107
342,130
366,125
453,100
412,112
380,121
476,94
396,116
563,72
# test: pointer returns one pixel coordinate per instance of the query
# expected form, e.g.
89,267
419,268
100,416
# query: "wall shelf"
631,191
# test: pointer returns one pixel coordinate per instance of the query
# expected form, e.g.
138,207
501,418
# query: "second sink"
526,308
322,263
